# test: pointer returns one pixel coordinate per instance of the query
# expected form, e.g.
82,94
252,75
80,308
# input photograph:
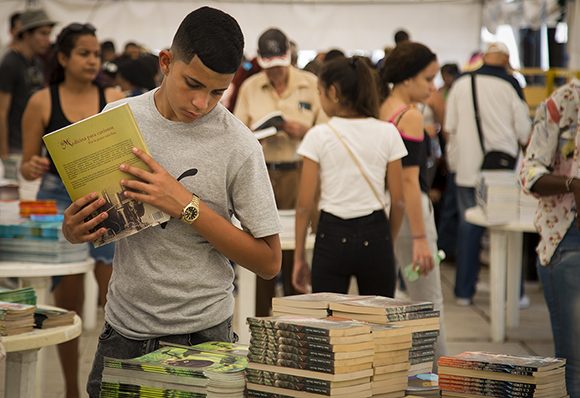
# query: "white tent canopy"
450,27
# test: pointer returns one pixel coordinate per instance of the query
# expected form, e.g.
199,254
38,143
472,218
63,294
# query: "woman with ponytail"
72,95
407,78
349,159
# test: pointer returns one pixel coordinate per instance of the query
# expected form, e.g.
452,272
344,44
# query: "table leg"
514,276
91,301
246,302
497,264
21,374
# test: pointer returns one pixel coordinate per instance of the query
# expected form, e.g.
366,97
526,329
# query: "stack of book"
315,305
391,360
25,295
475,374
39,239
215,369
49,317
15,318
498,194
419,317
295,356
28,207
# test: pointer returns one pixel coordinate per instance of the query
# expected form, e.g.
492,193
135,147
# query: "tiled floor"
467,329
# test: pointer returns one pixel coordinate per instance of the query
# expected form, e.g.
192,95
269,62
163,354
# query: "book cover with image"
87,155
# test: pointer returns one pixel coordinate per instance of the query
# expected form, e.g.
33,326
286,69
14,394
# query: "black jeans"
359,246
113,345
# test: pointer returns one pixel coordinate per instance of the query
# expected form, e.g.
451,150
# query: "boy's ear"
333,93
165,59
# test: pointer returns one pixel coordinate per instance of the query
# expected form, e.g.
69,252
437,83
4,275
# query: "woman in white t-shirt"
354,235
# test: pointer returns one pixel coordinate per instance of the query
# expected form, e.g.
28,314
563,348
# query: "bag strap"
358,165
476,109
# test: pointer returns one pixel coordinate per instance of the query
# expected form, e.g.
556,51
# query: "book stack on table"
419,317
213,369
16,318
479,374
45,318
315,305
391,360
25,295
39,239
296,356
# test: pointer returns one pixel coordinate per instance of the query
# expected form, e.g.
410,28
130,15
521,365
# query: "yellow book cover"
87,155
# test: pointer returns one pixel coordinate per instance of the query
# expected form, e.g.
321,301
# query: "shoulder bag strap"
476,109
358,165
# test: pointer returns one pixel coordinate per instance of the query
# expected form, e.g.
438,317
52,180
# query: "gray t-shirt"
172,280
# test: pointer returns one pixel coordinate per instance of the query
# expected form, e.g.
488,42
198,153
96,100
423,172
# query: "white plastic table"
38,276
505,262
22,357
247,279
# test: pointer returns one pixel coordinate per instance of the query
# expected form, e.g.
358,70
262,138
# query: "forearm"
261,256
396,214
550,184
414,207
302,220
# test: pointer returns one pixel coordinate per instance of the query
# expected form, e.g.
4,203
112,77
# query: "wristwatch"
190,212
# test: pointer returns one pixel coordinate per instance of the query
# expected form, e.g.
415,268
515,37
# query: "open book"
268,125
87,155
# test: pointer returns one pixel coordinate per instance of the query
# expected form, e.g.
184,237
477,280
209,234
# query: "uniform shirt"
504,121
299,102
344,191
553,149
171,280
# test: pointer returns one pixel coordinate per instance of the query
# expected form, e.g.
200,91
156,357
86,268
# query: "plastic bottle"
412,272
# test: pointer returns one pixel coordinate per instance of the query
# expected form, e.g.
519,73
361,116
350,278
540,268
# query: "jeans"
561,281
360,246
112,344
468,246
448,219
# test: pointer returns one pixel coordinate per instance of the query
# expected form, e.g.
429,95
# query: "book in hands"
87,155
268,125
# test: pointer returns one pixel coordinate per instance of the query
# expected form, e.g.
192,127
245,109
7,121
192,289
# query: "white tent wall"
450,27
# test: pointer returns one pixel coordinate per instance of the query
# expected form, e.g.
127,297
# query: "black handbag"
492,160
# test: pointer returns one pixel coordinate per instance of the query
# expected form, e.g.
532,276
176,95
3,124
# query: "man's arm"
157,187
5,101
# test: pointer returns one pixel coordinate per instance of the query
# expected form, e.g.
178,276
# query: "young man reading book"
174,282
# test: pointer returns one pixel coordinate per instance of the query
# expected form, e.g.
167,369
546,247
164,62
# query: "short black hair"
214,36
108,45
14,18
333,54
401,36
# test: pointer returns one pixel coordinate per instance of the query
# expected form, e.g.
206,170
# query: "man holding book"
174,282
293,92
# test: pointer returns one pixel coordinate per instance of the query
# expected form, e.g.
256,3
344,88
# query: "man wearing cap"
504,126
280,87
21,74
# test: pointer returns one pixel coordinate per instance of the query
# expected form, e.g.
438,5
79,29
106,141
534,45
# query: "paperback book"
87,155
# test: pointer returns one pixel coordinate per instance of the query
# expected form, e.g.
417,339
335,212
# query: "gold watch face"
190,214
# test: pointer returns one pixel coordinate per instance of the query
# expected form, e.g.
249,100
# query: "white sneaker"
524,302
463,302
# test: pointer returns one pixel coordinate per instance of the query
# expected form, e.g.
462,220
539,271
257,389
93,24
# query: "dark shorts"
114,345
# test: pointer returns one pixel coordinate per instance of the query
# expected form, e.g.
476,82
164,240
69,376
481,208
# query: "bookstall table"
505,246
38,276
22,357
247,279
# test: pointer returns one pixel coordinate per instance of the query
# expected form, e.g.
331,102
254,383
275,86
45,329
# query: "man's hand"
74,226
156,187
422,256
301,279
35,167
294,129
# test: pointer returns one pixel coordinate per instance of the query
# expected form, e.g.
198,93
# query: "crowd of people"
375,159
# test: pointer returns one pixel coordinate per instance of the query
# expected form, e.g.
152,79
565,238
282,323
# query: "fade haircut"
214,36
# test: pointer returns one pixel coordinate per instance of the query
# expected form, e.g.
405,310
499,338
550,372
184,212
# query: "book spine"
306,365
492,367
311,346
291,350
301,383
